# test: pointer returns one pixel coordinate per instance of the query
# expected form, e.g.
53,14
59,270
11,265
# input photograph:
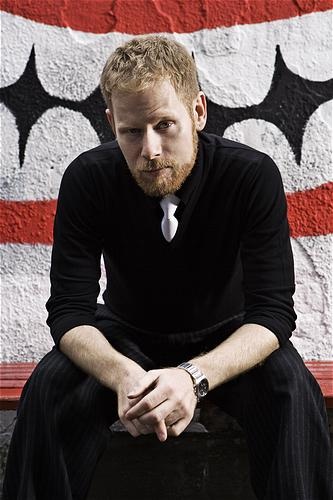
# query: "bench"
200,465
14,375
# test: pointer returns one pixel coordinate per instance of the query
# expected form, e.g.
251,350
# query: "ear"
200,111
110,119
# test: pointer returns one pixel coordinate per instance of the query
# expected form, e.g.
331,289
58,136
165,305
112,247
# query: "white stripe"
54,141
313,297
235,64
25,289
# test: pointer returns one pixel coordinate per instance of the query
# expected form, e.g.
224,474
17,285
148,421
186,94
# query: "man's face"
157,137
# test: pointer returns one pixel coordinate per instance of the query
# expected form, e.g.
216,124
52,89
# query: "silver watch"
200,382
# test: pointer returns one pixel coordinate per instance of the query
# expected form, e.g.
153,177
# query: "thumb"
143,385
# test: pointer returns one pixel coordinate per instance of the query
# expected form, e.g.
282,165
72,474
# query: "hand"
163,396
126,384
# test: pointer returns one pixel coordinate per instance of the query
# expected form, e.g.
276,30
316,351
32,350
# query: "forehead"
160,99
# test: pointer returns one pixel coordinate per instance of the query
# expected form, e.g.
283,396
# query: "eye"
133,131
164,125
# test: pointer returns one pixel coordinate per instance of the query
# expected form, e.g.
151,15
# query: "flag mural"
265,67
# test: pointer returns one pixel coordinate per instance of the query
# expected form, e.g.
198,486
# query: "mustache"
155,164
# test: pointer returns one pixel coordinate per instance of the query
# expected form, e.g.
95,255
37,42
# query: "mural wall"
265,67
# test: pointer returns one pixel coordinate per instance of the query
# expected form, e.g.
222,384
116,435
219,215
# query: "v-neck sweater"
231,255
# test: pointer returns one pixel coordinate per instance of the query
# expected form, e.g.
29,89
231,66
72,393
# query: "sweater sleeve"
268,269
76,253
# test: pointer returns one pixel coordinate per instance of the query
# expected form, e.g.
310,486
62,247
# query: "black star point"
28,100
289,103
93,108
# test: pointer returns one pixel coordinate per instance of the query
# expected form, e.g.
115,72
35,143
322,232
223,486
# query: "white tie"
169,223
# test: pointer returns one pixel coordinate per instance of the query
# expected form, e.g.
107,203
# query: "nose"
151,145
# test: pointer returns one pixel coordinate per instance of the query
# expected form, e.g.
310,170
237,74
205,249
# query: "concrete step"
193,466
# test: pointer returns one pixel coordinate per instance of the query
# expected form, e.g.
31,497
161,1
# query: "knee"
285,371
51,375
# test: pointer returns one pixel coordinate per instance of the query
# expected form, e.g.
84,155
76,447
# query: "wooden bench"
14,375
202,464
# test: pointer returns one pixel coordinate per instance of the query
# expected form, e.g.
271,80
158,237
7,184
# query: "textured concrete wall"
265,67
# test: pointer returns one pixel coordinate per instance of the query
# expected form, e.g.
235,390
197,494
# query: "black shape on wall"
289,103
27,100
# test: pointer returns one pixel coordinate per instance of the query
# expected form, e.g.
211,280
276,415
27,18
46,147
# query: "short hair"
145,60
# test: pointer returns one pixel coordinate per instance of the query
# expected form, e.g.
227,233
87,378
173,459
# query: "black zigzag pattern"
289,103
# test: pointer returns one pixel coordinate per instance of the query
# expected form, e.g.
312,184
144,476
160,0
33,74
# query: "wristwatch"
200,382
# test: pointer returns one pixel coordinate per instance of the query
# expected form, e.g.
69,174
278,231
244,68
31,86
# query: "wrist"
199,380
115,374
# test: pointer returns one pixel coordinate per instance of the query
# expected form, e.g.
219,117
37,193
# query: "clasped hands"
161,402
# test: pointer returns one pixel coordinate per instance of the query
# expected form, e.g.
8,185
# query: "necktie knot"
169,223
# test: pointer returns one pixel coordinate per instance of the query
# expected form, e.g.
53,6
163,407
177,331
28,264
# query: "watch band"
200,382
191,369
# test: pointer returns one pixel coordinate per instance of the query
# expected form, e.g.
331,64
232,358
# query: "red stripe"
310,213
152,16
27,221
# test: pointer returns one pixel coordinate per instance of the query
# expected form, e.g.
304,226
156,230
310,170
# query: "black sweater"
231,254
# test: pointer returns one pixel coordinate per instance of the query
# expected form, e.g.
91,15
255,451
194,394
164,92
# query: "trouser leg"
61,431
283,414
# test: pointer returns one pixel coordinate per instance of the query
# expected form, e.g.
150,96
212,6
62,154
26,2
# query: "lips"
155,170
154,173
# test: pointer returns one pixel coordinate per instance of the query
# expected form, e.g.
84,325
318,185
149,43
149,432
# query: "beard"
171,178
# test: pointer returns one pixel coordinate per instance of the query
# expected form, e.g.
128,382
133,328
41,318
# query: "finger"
177,428
141,428
157,414
152,400
143,385
136,428
172,418
130,427
161,431
131,402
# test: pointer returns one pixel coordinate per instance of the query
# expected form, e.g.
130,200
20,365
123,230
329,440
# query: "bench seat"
14,375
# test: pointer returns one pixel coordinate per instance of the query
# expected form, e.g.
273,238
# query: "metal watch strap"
195,373
191,369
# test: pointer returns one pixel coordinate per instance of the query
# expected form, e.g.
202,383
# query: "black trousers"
63,419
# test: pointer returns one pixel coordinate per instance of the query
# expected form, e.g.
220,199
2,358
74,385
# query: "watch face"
203,388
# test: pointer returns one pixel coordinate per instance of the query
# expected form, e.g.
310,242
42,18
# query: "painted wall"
265,67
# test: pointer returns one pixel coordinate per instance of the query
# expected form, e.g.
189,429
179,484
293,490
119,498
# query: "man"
194,235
